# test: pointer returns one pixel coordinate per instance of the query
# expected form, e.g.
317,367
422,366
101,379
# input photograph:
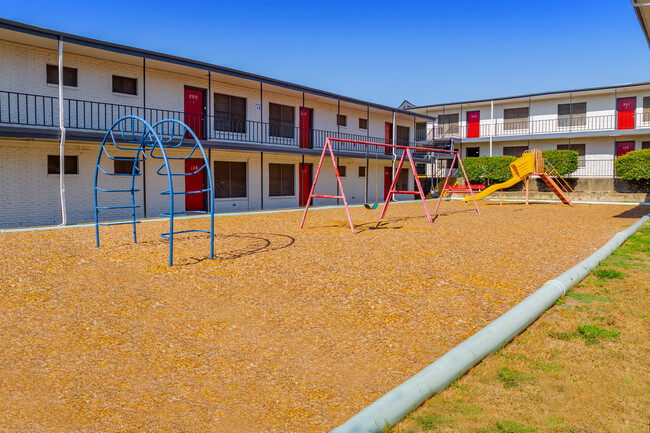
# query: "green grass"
431,421
507,426
592,334
546,367
609,274
587,298
512,378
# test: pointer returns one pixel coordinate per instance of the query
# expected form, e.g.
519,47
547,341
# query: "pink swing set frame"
392,191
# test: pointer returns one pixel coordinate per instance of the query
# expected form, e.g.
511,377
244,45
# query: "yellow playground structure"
531,163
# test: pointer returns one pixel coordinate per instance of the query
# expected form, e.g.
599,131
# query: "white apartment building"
600,123
263,136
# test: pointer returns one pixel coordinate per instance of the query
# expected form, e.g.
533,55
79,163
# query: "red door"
304,183
194,111
388,136
305,127
625,108
623,147
473,122
388,179
194,182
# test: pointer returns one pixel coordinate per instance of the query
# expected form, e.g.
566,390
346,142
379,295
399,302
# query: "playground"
287,329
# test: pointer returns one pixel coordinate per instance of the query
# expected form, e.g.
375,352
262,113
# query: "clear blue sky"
381,51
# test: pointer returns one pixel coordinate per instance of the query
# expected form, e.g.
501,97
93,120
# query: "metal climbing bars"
128,143
406,153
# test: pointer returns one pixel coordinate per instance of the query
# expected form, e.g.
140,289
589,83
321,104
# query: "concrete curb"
400,401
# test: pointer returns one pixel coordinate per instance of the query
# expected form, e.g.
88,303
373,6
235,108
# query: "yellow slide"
521,168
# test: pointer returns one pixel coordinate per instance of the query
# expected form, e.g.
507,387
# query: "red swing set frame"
392,191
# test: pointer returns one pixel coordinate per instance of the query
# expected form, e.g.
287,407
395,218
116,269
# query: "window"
281,120
69,75
341,120
646,108
362,171
514,150
342,170
363,123
403,135
403,180
229,113
574,114
472,152
229,179
580,148
281,180
71,164
515,118
128,86
645,145
448,124
125,166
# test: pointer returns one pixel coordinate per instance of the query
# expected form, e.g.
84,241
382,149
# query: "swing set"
406,153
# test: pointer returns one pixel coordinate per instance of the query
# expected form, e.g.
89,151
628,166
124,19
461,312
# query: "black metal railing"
23,109
558,124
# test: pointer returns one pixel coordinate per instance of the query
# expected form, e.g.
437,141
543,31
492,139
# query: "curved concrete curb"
397,403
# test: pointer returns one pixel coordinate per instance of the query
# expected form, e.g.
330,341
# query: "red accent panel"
625,108
194,182
305,128
473,124
388,179
388,136
194,115
623,147
304,183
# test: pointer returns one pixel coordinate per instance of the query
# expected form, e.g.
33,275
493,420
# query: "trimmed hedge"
634,165
564,161
488,169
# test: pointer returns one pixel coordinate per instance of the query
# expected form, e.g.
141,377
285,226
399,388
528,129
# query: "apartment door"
194,182
388,137
473,124
195,110
625,108
623,147
388,179
304,183
306,127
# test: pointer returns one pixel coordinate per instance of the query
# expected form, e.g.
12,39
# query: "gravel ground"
288,330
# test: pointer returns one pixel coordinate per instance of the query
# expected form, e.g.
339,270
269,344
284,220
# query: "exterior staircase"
561,192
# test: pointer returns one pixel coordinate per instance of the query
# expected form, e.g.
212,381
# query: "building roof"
532,95
102,45
642,10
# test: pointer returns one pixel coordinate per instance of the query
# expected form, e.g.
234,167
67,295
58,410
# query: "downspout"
64,214
492,124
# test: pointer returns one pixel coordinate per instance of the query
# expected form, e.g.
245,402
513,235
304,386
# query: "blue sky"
381,51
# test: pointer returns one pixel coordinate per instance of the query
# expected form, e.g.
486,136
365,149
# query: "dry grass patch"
584,366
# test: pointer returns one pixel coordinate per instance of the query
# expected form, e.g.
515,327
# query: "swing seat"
371,206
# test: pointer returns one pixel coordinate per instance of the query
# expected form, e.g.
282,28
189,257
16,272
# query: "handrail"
553,172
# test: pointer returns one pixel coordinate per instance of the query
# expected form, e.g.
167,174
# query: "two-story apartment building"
263,136
600,123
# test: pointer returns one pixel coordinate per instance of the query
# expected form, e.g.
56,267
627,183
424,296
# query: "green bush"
634,165
564,161
488,169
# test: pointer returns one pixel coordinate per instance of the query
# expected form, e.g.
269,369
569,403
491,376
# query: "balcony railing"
21,109
560,125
